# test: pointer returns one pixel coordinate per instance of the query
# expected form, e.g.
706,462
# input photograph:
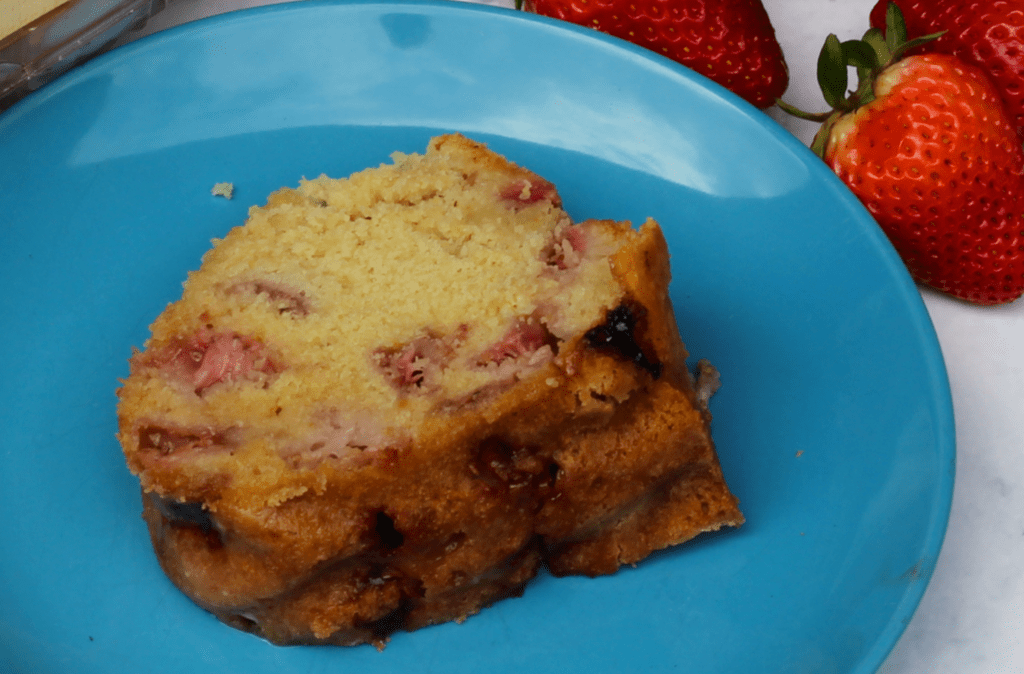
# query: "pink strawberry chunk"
521,339
522,193
207,359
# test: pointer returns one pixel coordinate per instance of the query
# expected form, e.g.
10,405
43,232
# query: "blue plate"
834,423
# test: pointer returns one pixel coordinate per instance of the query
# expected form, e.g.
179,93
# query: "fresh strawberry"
926,144
730,41
986,33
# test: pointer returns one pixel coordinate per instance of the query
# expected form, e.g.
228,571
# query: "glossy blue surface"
834,423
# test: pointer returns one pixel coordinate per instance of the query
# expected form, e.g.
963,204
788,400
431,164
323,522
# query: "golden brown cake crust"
593,460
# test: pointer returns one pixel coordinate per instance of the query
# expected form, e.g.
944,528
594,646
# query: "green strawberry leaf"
895,40
895,27
860,54
898,53
832,75
875,38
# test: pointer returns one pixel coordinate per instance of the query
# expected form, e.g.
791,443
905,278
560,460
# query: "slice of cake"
387,400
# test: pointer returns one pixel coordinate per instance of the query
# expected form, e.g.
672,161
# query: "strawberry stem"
797,112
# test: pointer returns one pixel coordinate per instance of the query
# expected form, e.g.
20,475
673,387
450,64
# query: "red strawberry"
730,41
927,145
986,33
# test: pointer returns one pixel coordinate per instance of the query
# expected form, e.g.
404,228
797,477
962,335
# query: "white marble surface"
971,619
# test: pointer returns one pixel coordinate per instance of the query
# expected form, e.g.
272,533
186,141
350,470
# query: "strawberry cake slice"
385,401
